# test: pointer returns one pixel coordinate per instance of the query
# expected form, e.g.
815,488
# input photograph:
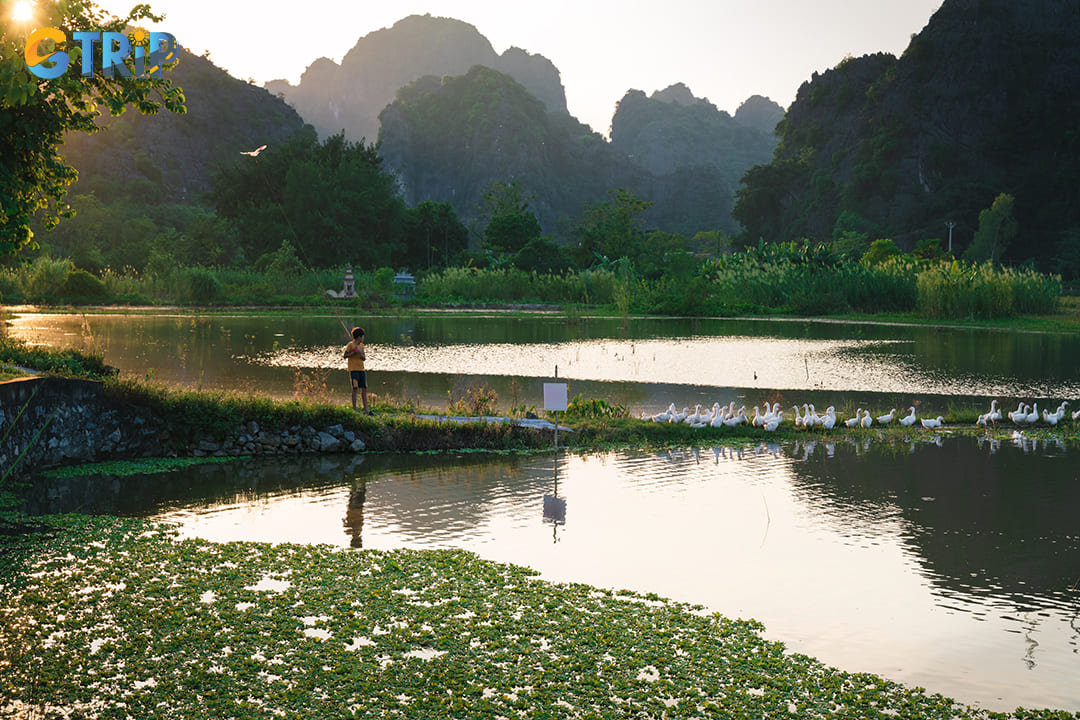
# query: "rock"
357,446
328,443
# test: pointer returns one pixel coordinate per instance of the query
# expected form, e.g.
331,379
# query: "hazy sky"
725,50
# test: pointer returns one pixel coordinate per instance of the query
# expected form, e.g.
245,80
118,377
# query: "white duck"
867,421
909,419
1051,418
665,416
1019,415
798,418
931,423
739,419
1033,416
1061,409
852,422
887,418
995,412
1076,415
829,420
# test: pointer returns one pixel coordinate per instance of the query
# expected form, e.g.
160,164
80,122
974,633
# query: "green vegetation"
856,142
124,468
35,115
785,278
67,363
313,632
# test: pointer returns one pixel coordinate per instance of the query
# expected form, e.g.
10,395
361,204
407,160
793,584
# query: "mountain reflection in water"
949,563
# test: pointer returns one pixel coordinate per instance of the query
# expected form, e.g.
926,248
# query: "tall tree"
435,235
611,228
331,200
510,224
997,228
35,113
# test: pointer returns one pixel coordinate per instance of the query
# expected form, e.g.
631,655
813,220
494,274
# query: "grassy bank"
595,424
109,618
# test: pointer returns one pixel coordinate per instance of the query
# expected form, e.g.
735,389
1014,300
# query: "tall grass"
953,290
591,287
744,282
45,281
785,279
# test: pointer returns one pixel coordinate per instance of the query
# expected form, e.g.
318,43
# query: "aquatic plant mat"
118,618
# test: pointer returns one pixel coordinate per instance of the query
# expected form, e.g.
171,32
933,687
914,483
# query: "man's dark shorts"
359,378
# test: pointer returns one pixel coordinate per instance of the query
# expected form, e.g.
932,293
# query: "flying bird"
255,152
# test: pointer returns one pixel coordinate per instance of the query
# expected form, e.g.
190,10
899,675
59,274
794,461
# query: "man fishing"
354,354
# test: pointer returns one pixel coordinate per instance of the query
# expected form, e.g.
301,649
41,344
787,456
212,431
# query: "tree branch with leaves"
35,114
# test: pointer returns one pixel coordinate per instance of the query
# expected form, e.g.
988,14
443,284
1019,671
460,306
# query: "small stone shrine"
349,290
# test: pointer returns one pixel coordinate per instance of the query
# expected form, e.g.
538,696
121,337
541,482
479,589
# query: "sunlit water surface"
947,563
643,364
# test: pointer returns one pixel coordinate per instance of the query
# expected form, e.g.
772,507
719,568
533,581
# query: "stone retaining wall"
48,422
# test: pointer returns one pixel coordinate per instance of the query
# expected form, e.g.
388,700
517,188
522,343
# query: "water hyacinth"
109,618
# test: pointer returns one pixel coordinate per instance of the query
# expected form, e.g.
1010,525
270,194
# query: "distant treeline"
280,227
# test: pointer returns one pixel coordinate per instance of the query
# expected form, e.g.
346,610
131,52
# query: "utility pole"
950,224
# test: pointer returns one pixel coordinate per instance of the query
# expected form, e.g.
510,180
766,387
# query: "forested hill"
449,138
350,96
984,101
163,158
672,129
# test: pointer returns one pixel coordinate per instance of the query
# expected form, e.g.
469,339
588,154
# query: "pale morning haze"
725,50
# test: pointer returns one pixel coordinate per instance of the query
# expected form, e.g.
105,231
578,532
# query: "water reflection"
947,563
644,364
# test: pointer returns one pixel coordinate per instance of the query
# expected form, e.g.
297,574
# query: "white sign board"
555,397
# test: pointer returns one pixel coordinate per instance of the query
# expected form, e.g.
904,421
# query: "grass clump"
68,363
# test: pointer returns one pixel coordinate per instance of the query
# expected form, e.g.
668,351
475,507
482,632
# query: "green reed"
954,289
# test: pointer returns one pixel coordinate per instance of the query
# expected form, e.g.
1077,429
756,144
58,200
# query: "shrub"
594,408
198,285
82,287
45,277
474,400
880,251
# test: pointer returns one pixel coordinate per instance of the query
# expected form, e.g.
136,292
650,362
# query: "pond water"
954,567
947,563
644,364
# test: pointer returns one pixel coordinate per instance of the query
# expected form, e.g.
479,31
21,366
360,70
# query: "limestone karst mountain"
443,149
351,95
983,101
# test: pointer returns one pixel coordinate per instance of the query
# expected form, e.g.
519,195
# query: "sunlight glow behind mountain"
725,50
